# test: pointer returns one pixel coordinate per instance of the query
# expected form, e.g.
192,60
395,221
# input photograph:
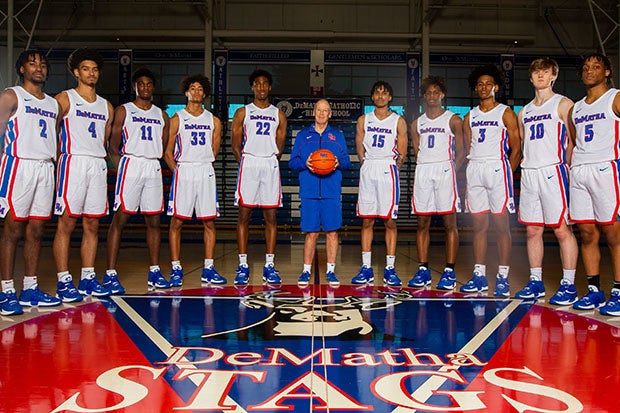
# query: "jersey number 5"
378,141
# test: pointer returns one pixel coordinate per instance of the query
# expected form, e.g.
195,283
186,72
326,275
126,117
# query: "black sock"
450,265
423,264
595,280
617,285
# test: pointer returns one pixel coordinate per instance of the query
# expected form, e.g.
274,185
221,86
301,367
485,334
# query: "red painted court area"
314,349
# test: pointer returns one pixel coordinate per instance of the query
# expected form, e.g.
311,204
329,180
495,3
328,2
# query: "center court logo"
305,350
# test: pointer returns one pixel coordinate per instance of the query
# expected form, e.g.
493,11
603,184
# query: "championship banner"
317,73
508,67
220,73
124,75
343,109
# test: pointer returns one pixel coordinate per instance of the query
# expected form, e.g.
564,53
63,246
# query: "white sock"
366,258
536,273
243,259
569,275
62,275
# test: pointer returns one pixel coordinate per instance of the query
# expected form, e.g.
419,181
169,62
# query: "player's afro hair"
143,72
486,70
84,53
429,81
202,79
259,73
382,84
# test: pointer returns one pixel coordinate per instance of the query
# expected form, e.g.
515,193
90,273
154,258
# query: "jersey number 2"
43,126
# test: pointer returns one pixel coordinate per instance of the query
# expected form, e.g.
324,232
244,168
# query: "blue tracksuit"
308,141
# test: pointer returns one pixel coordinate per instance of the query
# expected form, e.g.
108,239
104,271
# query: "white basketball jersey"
143,132
83,127
259,130
436,138
31,131
489,136
544,140
380,137
193,142
597,130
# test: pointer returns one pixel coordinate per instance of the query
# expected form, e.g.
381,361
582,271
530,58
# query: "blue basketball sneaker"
365,276
390,277
332,279
271,275
66,291
304,279
242,274
593,299
176,276
447,280
421,278
111,282
9,304
476,284
33,296
565,295
157,280
90,286
502,286
210,275
533,290
612,306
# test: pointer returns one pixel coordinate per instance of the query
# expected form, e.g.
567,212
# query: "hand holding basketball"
322,161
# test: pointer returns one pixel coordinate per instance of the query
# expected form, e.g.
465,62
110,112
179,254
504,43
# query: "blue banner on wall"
281,56
220,90
413,84
508,67
343,109
365,57
124,75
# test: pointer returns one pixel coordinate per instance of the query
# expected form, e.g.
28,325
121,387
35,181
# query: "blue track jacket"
308,141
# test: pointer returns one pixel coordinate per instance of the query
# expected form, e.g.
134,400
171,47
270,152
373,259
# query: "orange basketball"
323,161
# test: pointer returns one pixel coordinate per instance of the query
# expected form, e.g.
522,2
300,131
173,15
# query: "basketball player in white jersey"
193,143
437,138
594,184
491,133
28,123
82,187
142,128
381,143
258,137
544,181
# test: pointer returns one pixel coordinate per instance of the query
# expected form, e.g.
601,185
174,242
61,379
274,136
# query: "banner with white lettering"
413,84
301,108
124,75
508,67
220,73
